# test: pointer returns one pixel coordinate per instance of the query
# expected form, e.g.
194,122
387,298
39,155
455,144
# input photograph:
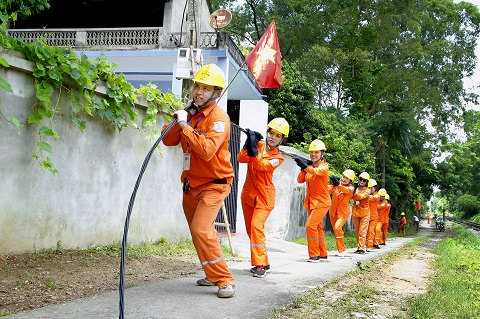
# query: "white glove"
181,115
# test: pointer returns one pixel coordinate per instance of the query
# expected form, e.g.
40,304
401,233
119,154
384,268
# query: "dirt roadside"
31,281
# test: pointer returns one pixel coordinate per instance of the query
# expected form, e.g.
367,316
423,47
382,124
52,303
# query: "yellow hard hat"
372,182
402,214
210,74
280,125
387,197
349,174
364,175
382,192
317,145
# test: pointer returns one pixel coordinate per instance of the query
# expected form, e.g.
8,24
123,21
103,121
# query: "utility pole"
193,14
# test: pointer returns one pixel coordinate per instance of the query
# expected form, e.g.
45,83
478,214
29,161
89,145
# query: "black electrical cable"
129,212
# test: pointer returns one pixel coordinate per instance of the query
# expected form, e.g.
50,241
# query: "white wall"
86,202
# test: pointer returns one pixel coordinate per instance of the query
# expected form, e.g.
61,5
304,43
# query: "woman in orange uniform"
361,211
382,210
317,200
258,193
386,221
340,210
373,204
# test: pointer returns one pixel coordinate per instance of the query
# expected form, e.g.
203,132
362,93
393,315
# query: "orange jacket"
316,178
403,221
382,210
259,190
361,207
373,205
206,140
341,198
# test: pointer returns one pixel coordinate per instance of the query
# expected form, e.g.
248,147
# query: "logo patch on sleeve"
275,162
219,127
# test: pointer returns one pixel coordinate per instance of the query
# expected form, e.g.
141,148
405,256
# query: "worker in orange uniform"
317,199
386,221
258,193
429,217
382,209
204,133
361,211
403,223
373,205
339,213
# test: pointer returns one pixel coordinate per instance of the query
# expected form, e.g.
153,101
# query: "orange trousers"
383,239
361,227
371,233
201,205
317,246
378,233
337,224
255,219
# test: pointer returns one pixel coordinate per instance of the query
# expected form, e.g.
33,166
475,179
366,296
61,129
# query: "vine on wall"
62,70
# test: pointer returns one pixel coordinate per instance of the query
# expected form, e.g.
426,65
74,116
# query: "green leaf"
79,123
75,102
4,62
45,112
45,147
48,165
44,92
55,74
34,118
16,123
5,85
47,131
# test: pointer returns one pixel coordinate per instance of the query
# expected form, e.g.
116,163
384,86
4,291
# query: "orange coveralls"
361,215
340,211
382,210
206,141
373,204
403,225
258,198
386,220
317,202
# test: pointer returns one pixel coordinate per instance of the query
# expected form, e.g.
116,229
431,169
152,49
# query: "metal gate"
231,200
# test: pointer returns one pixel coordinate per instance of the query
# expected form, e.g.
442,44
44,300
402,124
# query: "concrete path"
255,297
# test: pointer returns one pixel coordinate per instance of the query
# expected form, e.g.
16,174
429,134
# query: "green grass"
161,247
454,292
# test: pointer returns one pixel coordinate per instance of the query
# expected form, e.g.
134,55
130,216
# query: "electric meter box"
184,63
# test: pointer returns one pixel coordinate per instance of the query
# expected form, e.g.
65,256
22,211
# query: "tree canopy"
389,71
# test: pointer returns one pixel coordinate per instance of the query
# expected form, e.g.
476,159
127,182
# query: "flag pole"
238,71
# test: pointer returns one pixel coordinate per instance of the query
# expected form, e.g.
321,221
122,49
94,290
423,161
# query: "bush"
468,205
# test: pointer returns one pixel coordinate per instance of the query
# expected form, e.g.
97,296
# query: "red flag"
264,60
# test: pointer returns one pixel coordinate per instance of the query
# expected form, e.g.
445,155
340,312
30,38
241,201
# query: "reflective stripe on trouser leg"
371,233
384,233
361,227
258,247
378,233
201,205
339,234
317,245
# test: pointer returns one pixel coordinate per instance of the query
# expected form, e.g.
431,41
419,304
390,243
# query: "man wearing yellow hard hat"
204,133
